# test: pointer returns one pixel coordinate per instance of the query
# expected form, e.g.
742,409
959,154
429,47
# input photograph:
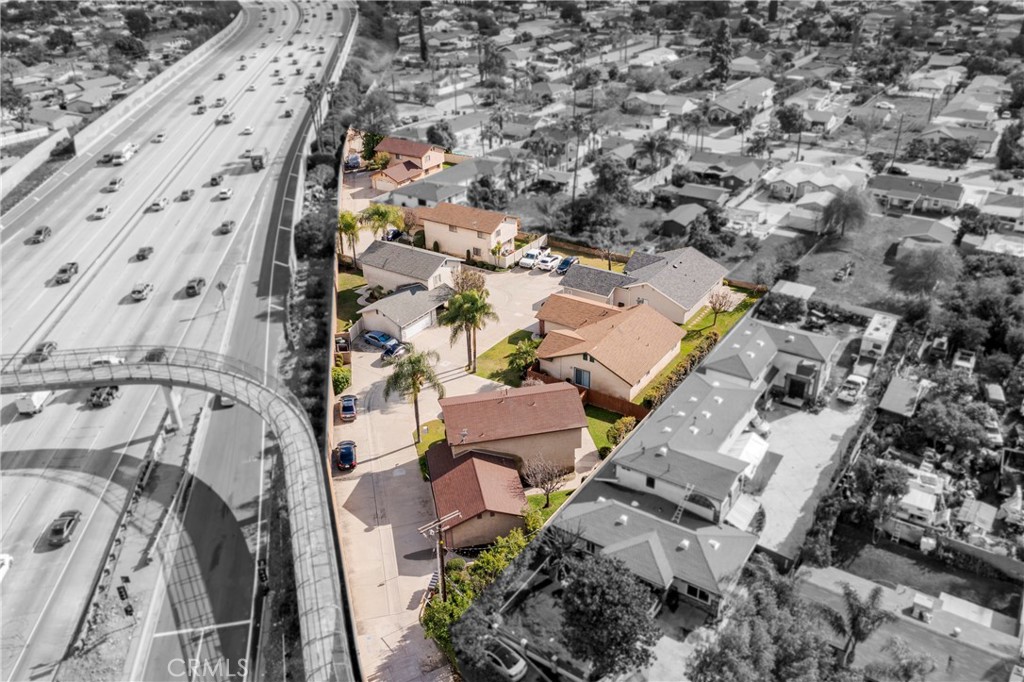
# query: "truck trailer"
258,158
33,403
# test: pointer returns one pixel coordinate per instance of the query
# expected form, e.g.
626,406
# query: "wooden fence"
559,244
596,398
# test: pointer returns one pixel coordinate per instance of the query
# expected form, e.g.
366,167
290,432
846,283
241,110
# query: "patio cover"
742,513
794,289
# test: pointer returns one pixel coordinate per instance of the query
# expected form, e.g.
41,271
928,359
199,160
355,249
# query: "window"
581,377
423,202
477,252
452,228
650,482
698,594
480,235
640,300
480,515
492,513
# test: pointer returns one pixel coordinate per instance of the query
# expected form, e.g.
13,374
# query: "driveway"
381,504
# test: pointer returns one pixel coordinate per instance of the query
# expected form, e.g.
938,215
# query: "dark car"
106,158
565,264
155,355
392,234
896,170
42,352
187,194
216,180
66,272
227,226
195,286
63,528
379,339
144,252
103,396
221,76
41,234
392,353
348,408
345,455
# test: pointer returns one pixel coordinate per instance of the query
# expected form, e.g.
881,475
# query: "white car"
6,561
885,105
504,661
141,291
101,212
530,258
225,193
159,204
247,153
548,262
248,130
282,99
852,389
107,360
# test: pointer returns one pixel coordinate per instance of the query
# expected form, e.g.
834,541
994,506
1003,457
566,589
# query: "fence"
15,138
27,164
596,398
507,261
586,250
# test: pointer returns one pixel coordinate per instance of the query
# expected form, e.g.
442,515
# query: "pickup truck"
530,258
852,389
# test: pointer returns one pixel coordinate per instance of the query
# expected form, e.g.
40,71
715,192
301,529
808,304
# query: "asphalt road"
75,457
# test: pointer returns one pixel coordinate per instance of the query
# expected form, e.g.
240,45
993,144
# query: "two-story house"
410,161
466,231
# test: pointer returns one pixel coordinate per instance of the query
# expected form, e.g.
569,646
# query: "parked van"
995,396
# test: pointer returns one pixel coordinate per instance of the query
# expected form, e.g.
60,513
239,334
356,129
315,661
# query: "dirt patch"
31,183
103,658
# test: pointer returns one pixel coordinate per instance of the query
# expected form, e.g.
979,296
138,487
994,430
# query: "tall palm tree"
861,619
410,375
348,230
742,124
849,209
378,217
468,312
657,148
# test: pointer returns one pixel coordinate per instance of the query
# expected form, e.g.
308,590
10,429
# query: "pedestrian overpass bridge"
325,641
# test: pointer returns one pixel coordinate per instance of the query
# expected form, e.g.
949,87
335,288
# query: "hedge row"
656,394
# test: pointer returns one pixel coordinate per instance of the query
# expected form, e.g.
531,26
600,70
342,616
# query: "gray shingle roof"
684,275
406,306
403,259
594,280
429,191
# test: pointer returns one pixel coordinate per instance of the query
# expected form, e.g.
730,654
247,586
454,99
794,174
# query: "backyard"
558,498
847,138
493,363
348,286
431,433
598,422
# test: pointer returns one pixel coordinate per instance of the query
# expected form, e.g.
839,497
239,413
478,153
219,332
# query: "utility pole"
930,105
899,131
438,528
576,156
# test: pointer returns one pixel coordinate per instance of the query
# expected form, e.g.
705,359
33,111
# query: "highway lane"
99,315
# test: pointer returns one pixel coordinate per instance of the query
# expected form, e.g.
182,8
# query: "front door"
581,377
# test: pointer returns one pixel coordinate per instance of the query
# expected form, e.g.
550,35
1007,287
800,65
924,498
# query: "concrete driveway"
381,504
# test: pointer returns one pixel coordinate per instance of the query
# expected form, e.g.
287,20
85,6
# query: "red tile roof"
465,216
473,483
512,412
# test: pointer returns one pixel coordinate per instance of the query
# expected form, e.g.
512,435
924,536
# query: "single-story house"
910,194
824,122
427,193
654,57
551,91
467,231
675,283
90,101
617,355
923,233
795,180
986,84
484,488
657,102
750,93
983,139
678,221
1008,208
704,195
407,312
54,119
528,423
566,312
391,265
971,110
731,171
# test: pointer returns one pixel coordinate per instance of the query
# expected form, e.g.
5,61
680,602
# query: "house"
467,131
675,283
985,84
909,194
983,139
527,423
690,561
566,312
971,110
692,193
923,233
1008,208
390,265
732,171
103,82
427,193
936,82
824,122
54,119
659,103
551,91
750,93
654,57
761,356
410,161
483,488
407,312
463,230
941,62
90,101
795,180
617,355
678,221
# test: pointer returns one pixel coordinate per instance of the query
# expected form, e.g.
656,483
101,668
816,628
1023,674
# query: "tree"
918,272
701,238
1009,153
906,665
719,302
742,122
410,375
759,144
492,62
791,118
544,474
376,112
424,53
314,235
467,313
378,217
348,230
860,619
611,179
958,425
773,10
441,134
656,148
523,356
484,193
571,13
60,40
130,47
469,280
137,22
370,142
878,160
848,209
868,126
721,53
605,617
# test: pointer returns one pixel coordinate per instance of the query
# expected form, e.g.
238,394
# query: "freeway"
74,457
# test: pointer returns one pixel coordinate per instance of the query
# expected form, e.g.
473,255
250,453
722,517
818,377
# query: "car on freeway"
279,81
195,286
348,408
6,561
530,258
101,212
221,76
42,352
66,272
220,102
345,455
225,194
282,99
144,253
896,170
263,44
186,194
201,109
216,180
379,339
106,360
63,527
504,661
105,158
103,396
159,137
155,355
41,234
159,204
141,291
115,184
247,153
248,130
392,353
566,263
227,226
275,60
549,262
241,67
288,113
852,389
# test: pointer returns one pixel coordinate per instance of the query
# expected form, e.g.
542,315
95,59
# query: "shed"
785,287
901,397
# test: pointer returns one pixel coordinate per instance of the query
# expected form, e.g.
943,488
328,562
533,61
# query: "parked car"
505,661
66,272
352,162
348,408
896,170
548,262
41,234
530,258
115,184
227,226
63,527
187,194
379,339
889,106
195,286
144,253
965,359
566,263
42,352
141,291
852,389
159,205
391,234
345,455
225,194
392,353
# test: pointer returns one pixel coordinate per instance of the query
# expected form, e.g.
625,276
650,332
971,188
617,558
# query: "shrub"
454,565
604,451
341,377
618,430
419,240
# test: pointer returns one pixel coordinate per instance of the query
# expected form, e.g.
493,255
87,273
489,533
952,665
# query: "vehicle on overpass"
258,158
124,153
42,352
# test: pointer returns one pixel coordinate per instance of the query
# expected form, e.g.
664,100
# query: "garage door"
417,326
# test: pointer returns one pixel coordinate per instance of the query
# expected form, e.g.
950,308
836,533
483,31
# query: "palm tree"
378,217
657,148
411,374
696,122
742,124
905,666
862,618
468,312
348,230
849,209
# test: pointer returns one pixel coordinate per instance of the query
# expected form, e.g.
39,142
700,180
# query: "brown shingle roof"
403,147
464,216
512,412
628,344
573,311
473,483
402,171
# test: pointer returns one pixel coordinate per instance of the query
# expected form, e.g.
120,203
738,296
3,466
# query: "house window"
650,482
492,513
581,377
477,252
698,594
591,547
423,202
640,300
586,357
480,235
452,228
480,515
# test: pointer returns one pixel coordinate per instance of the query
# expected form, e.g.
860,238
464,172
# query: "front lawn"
348,309
493,363
598,421
432,435
557,499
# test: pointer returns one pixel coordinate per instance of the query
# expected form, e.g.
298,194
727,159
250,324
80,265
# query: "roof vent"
716,383
684,544
705,414
621,521
718,399
601,498
666,429
714,544
735,345
760,342
750,354
746,332
680,413
693,398
661,452
634,503
790,339
694,430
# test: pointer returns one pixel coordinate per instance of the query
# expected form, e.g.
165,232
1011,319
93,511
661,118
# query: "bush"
419,240
604,451
622,426
63,148
454,565
657,394
314,236
341,377
780,308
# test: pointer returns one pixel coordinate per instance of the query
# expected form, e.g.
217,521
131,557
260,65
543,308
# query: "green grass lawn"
592,261
434,434
348,309
493,363
558,498
598,421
